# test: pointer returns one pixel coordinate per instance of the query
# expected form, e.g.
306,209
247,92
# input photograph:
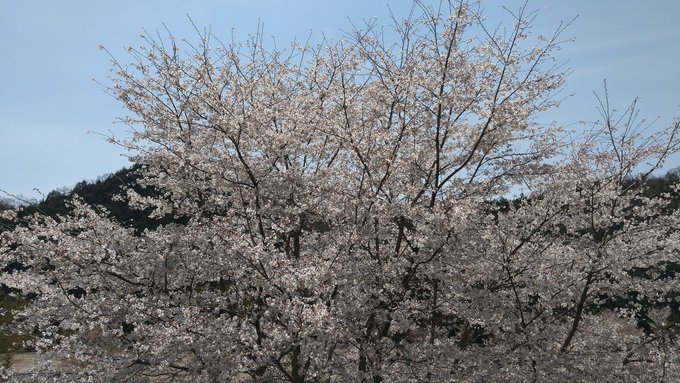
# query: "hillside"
100,192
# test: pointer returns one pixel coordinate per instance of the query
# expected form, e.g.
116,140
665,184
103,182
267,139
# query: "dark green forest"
102,191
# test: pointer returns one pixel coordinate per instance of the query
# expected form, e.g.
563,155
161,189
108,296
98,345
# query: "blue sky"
49,58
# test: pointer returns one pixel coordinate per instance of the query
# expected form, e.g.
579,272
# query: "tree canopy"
330,217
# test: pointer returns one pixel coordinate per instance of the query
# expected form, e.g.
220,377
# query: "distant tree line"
102,193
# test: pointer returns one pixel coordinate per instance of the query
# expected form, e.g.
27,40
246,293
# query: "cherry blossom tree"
338,216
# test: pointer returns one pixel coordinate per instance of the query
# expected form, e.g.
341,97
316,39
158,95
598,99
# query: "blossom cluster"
340,215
